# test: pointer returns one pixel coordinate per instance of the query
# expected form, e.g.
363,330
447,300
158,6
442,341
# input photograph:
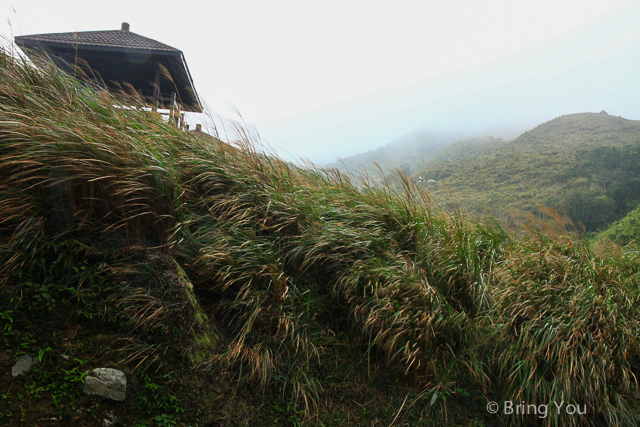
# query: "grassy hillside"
469,148
626,231
423,147
233,288
587,165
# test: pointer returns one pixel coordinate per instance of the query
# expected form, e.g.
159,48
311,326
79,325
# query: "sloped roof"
121,56
115,38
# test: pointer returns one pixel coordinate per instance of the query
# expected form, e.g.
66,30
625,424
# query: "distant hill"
585,165
418,147
464,149
424,146
470,147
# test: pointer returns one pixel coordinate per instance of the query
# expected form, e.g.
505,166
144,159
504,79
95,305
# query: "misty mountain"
584,165
589,69
416,147
470,147
424,147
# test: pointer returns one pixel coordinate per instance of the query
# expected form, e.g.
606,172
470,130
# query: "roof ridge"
114,38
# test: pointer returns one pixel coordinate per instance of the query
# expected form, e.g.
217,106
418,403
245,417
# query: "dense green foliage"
234,288
614,175
626,231
586,165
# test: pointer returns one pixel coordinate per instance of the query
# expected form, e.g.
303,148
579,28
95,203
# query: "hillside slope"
468,148
404,153
232,288
586,165
625,231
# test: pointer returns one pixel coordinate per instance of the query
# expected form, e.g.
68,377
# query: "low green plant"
8,319
165,420
63,385
28,342
42,352
7,406
158,395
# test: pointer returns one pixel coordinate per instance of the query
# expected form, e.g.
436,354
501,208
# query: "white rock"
106,382
23,365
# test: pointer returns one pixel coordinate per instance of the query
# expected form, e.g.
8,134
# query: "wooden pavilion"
121,59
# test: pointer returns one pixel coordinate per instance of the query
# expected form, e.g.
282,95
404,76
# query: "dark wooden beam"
158,98
156,83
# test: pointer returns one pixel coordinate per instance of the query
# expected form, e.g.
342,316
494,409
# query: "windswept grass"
565,327
99,201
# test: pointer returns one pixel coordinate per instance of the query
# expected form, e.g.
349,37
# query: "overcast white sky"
276,59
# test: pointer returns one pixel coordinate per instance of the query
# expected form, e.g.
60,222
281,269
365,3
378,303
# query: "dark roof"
120,56
115,38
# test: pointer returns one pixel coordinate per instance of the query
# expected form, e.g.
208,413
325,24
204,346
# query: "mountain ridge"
560,163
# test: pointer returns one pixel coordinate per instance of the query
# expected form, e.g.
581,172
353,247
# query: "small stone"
23,365
106,382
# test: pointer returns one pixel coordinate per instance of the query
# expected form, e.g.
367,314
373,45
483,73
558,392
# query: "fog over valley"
588,69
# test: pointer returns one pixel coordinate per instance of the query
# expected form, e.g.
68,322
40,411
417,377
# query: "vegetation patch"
233,288
584,165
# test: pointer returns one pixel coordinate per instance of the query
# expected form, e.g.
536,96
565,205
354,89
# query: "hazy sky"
289,66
